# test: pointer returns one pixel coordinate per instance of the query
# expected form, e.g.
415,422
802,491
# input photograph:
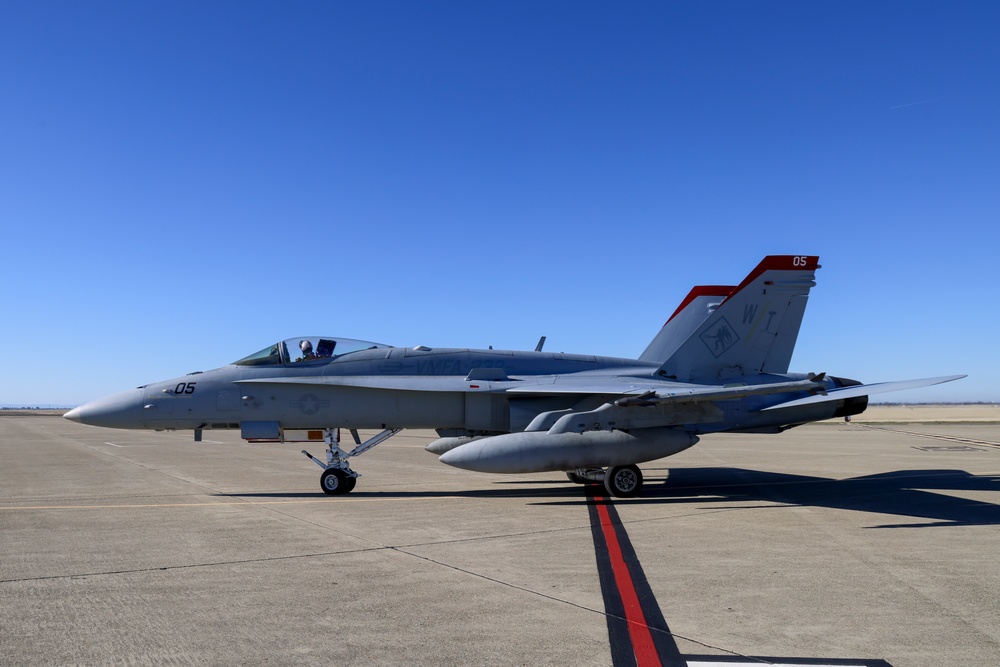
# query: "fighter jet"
719,364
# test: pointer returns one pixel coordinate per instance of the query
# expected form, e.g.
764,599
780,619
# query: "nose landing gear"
337,477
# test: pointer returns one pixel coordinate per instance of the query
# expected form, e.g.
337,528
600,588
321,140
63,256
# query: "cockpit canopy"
306,350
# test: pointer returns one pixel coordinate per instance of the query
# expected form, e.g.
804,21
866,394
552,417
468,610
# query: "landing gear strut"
619,481
337,477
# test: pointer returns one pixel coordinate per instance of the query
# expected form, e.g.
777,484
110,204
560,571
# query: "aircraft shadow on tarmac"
903,493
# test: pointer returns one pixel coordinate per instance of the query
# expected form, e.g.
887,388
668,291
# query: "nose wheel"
335,481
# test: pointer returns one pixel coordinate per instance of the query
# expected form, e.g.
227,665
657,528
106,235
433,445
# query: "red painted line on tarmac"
645,651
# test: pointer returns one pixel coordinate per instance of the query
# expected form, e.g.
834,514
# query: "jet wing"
542,385
535,384
711,393
643,392
636,391
866,390
659,403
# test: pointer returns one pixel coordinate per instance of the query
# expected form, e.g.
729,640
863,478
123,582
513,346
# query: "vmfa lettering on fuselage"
719,364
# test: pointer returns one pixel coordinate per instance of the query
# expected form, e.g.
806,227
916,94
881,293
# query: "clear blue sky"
183,183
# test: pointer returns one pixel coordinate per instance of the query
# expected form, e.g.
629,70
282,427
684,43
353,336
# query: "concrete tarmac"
841,544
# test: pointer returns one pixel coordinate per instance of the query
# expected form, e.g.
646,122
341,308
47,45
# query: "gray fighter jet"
719,364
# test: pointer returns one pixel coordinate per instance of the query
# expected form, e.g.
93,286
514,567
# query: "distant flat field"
945,412
16,412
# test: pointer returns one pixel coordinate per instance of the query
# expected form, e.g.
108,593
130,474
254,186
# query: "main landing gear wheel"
336,482
623,481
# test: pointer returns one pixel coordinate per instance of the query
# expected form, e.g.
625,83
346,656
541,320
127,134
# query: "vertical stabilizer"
700,302
754,329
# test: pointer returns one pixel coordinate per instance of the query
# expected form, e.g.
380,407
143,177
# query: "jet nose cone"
122,410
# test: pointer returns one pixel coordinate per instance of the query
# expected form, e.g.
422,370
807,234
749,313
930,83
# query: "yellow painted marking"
241,502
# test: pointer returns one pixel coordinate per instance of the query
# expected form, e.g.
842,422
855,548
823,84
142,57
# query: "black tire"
335,482
623,481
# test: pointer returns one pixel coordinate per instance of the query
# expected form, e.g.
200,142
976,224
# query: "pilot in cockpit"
307,351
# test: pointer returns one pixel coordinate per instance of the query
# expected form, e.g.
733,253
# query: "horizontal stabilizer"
867,390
